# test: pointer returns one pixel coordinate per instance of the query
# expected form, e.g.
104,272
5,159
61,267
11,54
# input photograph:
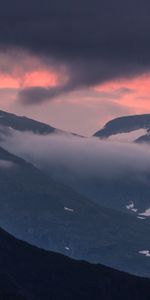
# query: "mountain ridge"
125,124
39,210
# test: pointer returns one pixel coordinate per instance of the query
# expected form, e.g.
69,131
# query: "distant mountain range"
29,273
127,124
116,126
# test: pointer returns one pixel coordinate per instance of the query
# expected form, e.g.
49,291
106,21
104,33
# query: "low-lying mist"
62,154
86,164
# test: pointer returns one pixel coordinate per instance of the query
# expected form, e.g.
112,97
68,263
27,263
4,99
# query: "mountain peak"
126,124
23,123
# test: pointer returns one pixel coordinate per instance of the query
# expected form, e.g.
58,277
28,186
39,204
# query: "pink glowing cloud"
41,78
138,99
83,110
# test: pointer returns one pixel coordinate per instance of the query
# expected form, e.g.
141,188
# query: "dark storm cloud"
37,94
33,95
96,40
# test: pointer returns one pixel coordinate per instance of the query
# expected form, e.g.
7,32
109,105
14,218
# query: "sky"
75,64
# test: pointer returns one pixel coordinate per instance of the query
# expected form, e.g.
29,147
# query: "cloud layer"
96,41
70,158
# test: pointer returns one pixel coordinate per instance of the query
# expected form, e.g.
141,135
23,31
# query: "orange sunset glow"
139,92
36,78
100,103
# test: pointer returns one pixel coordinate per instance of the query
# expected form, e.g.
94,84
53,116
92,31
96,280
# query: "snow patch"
146,213
145,252
67,248
131,207
141,218
68,209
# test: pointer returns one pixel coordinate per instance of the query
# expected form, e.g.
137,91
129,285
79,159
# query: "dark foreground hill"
28,273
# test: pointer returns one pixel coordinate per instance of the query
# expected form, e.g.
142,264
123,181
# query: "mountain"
120,194
10,123
128,193
29,273
55,217
22,123
132,128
